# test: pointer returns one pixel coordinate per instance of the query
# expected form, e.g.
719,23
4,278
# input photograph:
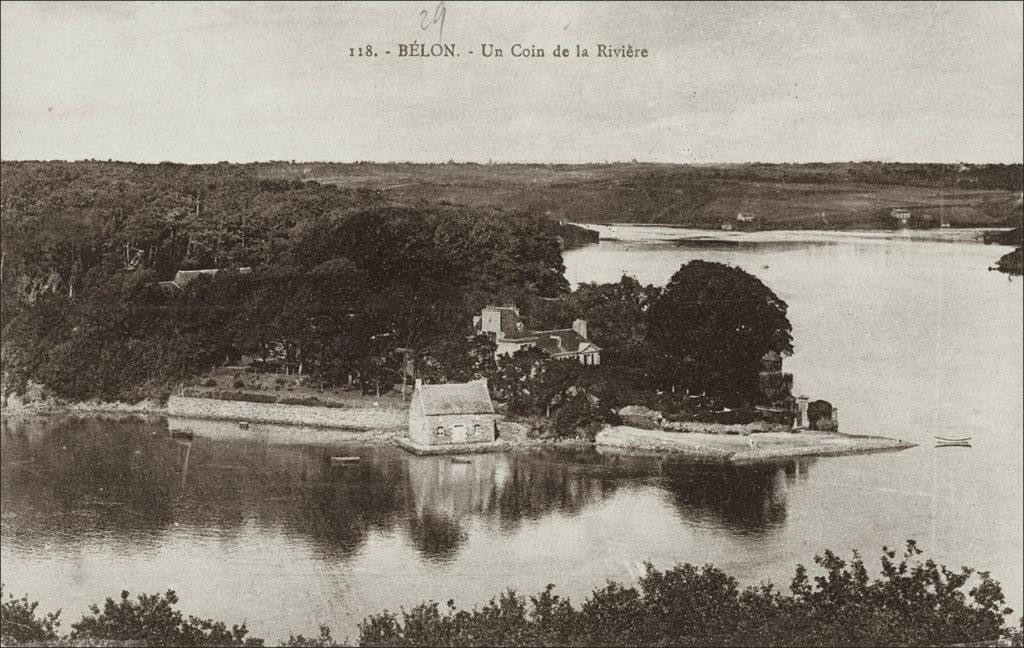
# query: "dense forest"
85,244
341,285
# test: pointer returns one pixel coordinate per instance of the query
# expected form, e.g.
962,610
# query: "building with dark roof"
505,326
453,413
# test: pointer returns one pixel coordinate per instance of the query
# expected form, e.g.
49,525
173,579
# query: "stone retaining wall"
723,428
361,418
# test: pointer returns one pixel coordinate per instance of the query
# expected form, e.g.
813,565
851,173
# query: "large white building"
506,328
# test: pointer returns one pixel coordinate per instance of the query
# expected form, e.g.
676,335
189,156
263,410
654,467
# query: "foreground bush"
912,603
151,620
19,624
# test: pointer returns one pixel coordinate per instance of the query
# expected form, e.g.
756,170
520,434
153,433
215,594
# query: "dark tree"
710,328
615,314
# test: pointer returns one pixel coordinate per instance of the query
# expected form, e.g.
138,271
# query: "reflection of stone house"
901,215
455,490
454,413
183,277
504,325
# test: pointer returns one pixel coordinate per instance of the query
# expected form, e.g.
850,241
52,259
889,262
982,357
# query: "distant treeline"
1008,177
854,195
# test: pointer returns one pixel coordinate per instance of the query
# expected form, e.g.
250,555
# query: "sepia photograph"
444,323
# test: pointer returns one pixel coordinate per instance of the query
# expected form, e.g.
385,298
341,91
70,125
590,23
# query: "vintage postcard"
512,323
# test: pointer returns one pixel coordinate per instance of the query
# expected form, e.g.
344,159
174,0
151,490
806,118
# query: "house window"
476,431
439,432
458,433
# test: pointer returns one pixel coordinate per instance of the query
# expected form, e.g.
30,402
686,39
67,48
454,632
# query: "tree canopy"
711,326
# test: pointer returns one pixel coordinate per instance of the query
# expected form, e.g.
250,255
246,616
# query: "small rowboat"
341,461
953,444
956,440
183,434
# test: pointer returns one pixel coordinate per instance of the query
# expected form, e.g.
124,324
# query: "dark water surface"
910,338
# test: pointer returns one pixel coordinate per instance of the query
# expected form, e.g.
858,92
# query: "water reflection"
65,479
746,245
742,498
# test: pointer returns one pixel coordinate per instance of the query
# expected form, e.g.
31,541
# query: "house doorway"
459,434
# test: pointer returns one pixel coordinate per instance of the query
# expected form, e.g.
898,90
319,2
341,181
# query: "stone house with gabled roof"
452,413
505,326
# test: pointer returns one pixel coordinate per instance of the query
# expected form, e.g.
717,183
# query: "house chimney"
580,326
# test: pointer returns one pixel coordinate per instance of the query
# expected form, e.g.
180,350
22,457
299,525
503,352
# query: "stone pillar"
801,417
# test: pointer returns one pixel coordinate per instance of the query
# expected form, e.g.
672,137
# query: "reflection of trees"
65,478
342,504
62,479
68,476
744,498
437,537
541,482
512,487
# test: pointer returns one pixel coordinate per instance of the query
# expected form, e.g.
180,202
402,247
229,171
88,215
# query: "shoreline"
513,434
707,227
735,449
39,408
715,448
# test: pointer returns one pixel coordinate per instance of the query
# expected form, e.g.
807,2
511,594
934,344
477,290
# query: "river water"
910,336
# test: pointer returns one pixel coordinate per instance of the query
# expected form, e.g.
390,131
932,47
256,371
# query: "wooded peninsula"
346,272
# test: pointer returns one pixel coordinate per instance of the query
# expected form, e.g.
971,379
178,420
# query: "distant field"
832,196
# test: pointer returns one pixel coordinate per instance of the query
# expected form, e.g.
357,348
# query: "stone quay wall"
356,418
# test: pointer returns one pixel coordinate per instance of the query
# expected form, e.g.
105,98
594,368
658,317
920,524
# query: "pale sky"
724,82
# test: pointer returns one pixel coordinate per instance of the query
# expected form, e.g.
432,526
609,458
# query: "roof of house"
456,398
561,341
510,322
182,277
